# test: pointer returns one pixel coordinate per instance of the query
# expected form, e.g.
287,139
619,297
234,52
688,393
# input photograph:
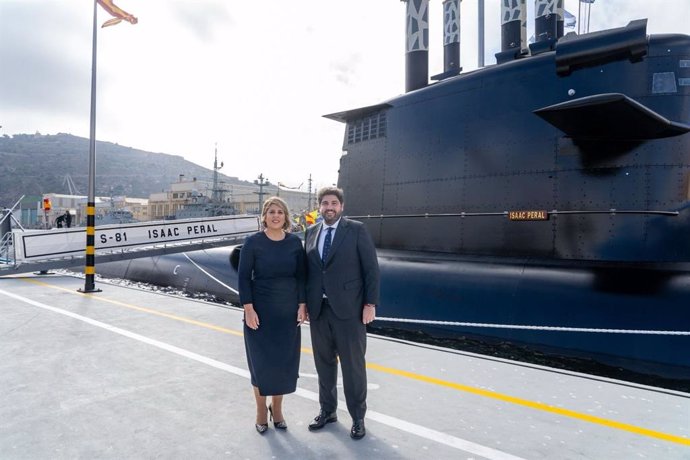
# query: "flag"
312,217
569,21
119,13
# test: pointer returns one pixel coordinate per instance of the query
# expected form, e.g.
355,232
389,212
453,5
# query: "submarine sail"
542,201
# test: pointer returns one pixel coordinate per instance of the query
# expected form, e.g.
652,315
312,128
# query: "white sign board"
50,244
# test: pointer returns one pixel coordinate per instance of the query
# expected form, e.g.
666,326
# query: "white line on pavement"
402,425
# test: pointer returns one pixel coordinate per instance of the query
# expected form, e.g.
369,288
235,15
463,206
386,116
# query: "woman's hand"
302,314
251,319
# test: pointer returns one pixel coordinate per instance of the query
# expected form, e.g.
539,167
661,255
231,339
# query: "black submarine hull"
624,317
631,318
209,271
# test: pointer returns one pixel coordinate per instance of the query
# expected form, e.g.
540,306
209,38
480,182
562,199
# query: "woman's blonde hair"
276,200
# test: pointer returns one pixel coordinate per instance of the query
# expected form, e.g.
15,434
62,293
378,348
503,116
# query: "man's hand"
368,313
302,314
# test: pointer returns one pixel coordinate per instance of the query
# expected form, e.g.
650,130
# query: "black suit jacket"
350,275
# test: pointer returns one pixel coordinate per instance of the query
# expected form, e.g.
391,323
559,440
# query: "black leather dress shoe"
358,431
322,419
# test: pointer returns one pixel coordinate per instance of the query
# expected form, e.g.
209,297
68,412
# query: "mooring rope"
535,328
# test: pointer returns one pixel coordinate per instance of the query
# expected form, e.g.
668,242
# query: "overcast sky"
255,76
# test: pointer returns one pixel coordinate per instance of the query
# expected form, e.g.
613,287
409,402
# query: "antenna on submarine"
480,33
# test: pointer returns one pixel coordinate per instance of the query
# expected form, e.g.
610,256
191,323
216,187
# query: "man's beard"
331,221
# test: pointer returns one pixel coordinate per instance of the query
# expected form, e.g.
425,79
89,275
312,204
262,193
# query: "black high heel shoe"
279,425
261,428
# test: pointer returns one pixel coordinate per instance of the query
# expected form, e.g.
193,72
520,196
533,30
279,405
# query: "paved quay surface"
127,373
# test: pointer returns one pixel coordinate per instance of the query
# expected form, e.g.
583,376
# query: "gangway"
36,251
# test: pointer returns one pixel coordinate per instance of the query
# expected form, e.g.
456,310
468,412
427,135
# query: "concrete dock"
129,374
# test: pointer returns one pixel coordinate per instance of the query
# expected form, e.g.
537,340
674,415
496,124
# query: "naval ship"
542,202
205,206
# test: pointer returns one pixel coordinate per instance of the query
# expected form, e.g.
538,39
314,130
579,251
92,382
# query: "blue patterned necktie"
326,244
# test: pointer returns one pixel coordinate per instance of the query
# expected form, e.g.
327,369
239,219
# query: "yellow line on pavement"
533,405
142,309
419,377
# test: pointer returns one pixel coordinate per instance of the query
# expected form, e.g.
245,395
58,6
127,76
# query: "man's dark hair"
330,191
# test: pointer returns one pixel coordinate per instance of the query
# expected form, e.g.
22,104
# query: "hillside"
34,164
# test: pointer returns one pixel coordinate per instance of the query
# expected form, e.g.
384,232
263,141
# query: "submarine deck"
127,373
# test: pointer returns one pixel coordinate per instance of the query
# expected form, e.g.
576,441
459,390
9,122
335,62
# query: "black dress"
272,278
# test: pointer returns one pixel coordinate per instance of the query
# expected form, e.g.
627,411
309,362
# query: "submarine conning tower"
576,153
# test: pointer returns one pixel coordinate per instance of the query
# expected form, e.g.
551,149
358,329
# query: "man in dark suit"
342,293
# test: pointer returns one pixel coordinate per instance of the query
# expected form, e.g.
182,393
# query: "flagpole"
90,269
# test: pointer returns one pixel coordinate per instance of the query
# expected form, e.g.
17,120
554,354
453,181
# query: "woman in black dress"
272,290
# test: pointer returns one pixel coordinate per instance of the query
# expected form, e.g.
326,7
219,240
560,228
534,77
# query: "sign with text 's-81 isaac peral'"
68,242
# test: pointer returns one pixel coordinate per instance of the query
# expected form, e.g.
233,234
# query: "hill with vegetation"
35,164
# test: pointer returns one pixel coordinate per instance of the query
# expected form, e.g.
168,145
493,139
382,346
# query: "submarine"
542,202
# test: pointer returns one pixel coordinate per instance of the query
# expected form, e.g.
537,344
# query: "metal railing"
6,249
